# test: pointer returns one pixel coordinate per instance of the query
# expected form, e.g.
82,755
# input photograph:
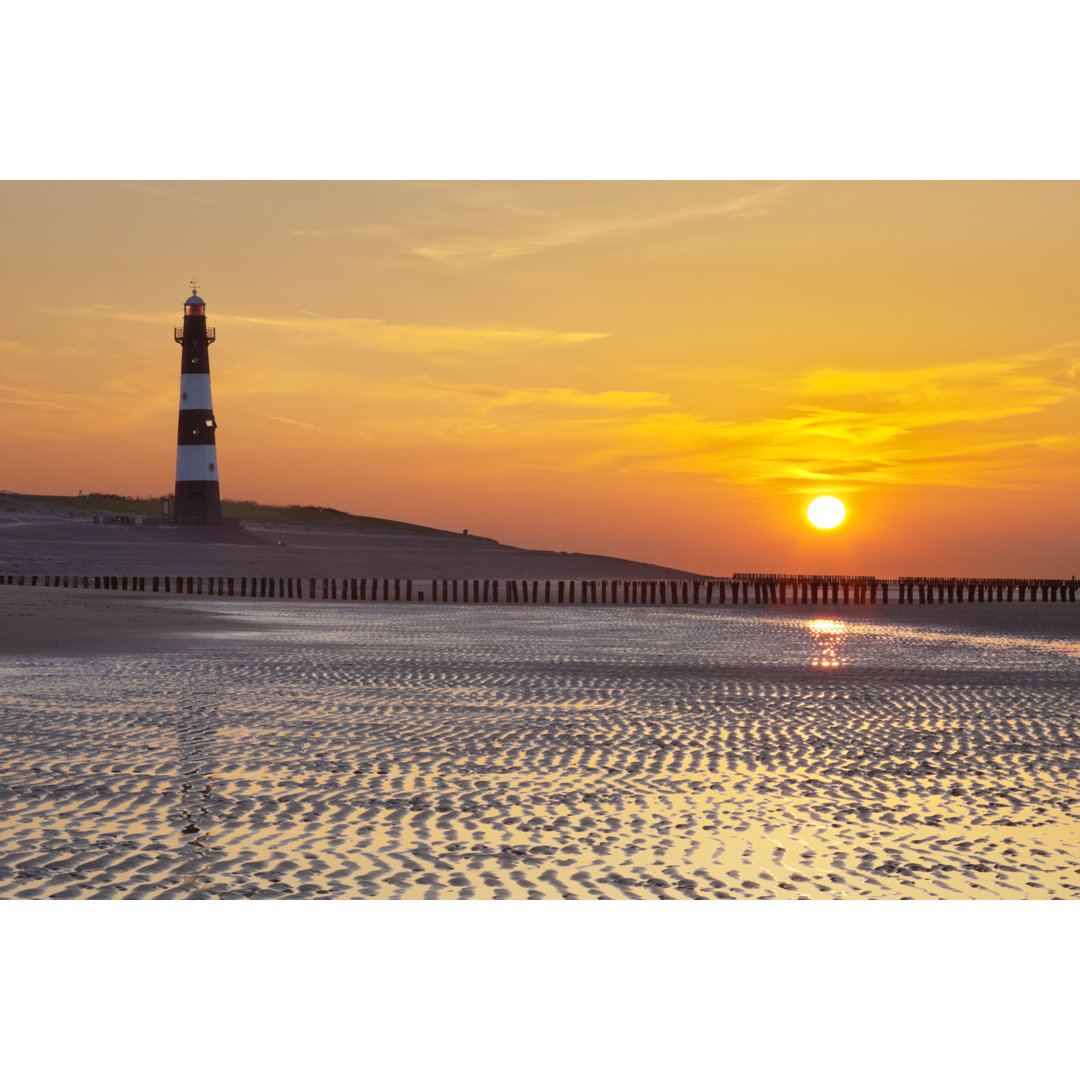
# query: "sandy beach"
208,748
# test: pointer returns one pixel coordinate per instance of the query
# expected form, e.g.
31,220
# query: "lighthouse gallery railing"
178,334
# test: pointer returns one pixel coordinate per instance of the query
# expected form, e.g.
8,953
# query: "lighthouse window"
183,397
211,466
209,423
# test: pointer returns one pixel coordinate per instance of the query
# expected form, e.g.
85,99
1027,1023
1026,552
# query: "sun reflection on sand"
829,636
597,753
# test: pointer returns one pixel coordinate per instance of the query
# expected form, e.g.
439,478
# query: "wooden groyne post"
766,589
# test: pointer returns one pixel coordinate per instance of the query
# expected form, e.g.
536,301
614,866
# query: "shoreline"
72,623
78,622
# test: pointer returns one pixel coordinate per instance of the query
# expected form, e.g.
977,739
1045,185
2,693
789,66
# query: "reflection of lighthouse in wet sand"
198,496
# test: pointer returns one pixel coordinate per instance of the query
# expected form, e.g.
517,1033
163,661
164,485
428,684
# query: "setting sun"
826,512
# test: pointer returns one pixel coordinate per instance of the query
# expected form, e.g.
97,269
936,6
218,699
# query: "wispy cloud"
107,311
376,334
971,391
417,338
18,398
558,398
510,227
296,423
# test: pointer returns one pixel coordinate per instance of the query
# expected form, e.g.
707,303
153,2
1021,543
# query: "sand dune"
75,547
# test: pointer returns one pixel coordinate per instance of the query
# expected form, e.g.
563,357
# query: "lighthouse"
198,496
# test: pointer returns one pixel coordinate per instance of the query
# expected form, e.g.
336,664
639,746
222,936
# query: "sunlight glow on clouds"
926,426
941,434
971,391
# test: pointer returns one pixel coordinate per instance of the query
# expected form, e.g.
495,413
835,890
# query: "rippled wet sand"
482,752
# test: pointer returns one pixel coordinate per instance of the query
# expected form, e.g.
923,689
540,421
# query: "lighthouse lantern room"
198,495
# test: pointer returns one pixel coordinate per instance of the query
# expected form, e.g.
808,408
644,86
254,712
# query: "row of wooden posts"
764,589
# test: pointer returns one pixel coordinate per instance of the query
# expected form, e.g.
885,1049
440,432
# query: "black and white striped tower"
198,496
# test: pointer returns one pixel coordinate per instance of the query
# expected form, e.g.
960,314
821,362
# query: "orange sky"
655,370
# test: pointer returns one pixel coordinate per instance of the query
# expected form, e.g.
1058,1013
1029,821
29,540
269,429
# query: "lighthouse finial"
194,287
